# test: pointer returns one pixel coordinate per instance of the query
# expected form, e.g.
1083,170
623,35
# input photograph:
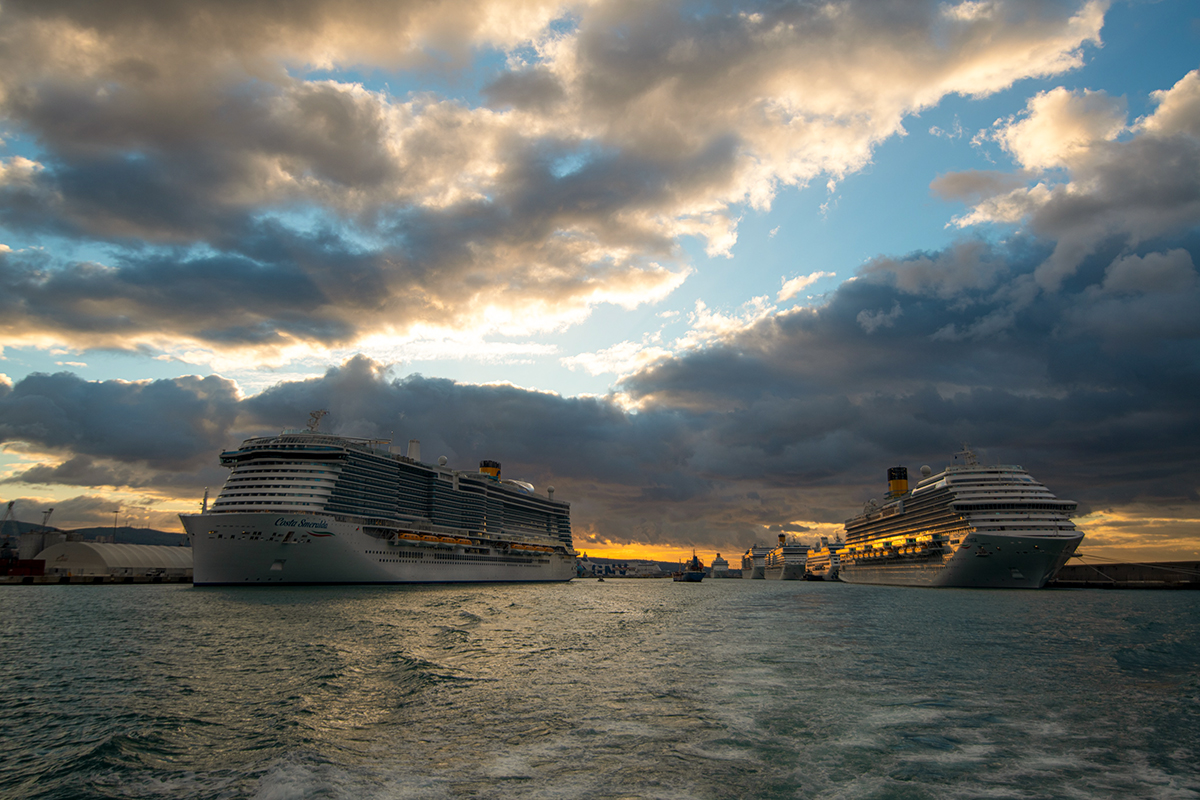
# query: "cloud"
796,285
95,511
873,320
770,421
257,204
1061,128
165,424
1129,190
621,358
1168,272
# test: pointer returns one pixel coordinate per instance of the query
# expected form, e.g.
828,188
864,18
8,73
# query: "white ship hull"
1008,561
784,572
264,548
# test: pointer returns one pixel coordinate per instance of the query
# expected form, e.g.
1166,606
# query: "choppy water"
625,688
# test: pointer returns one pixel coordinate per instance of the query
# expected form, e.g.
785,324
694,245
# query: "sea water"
621,688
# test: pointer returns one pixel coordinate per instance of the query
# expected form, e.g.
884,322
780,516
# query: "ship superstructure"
310,507
969,525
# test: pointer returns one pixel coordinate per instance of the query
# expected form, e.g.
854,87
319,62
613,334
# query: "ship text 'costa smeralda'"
308,507
969,525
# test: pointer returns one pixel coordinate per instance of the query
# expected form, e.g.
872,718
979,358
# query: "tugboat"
692,572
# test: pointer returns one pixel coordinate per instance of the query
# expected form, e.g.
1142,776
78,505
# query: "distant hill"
135,536
126,535
14,527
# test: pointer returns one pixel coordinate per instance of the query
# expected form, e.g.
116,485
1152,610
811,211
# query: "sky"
707,268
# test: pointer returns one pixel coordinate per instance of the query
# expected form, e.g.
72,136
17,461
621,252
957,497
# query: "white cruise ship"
305,507
754,562
824,560
969,525
786,561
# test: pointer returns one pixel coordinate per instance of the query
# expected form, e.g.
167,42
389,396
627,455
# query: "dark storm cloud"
1088,407
286,285
171,424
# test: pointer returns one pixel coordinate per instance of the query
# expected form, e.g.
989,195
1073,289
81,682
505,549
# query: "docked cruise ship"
824,560
306,507
969,525
786,561
754,562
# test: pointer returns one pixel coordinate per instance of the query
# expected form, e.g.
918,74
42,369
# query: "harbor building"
92,559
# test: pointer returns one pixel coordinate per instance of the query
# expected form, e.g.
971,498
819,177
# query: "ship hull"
266,548
991,561
784,572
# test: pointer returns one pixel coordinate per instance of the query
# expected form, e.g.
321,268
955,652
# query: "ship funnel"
490,468
414,449
897,481
782,539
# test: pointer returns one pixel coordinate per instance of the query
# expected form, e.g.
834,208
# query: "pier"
1152,575
19,580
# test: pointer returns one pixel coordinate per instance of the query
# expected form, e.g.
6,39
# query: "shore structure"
786,562
968,525
306,507
1124,575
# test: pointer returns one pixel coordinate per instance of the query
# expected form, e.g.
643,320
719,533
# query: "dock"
41,580
1151,575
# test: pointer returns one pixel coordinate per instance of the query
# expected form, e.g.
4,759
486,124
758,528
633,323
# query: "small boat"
692,572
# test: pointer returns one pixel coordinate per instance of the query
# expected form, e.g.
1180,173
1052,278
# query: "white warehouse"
116,560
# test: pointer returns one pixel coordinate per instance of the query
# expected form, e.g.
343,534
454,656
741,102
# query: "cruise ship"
306,507
968,525
824,560
754,562
786,561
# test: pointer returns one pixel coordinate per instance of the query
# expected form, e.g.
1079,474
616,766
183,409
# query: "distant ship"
306,507
754,562
720,569
786,561
969,525
692,572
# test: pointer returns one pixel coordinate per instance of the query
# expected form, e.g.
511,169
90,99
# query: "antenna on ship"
968,455
314,419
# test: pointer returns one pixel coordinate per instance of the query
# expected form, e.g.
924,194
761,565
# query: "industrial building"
78,559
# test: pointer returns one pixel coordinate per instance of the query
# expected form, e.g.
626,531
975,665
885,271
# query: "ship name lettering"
283,522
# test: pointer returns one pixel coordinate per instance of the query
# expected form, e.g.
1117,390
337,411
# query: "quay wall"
1153,575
